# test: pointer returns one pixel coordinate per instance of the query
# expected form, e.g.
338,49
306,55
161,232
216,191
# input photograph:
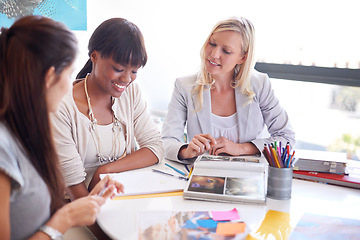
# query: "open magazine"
228,179
170,225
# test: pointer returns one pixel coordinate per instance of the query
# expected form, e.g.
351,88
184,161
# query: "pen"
169,174
177,170
102,190
187,169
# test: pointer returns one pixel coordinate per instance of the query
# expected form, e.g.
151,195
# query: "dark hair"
28,49
120,39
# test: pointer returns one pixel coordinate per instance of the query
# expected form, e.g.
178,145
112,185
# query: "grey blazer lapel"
204,115
243,113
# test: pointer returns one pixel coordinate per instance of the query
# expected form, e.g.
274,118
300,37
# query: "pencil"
169,174
191,170
275,157
292,156
175,169
268,156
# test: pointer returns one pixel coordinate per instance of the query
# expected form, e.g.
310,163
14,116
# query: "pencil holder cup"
279,183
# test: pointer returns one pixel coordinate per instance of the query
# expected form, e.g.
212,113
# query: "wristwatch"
52,233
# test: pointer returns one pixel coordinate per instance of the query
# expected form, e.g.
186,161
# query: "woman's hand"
106,187
224,145
198,145
81,212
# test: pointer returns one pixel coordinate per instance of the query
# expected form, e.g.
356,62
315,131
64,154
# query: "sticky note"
207,223
225,215
230,228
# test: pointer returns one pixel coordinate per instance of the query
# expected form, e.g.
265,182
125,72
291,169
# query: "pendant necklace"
116,129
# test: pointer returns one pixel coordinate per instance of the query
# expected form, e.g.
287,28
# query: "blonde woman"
229,107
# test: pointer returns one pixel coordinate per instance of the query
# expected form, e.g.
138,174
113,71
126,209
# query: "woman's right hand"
198,145
80,212
83,211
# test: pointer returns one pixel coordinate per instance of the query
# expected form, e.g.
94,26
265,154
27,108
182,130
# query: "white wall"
292,31
174,32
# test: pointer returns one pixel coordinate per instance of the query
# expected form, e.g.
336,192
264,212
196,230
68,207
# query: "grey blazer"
261,121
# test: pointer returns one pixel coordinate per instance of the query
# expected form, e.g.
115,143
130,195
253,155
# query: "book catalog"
228,179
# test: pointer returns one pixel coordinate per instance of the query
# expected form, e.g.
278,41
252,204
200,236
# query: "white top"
225,127
105,132
72,135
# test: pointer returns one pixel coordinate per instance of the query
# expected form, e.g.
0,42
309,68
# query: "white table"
118,218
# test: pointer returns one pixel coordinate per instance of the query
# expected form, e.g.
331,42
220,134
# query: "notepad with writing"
145,181
228,179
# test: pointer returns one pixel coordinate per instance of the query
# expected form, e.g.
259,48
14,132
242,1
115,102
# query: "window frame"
337,76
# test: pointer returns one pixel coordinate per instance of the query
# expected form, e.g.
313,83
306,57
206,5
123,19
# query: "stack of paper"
320,161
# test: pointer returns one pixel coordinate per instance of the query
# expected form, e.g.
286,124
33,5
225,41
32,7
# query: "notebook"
145,181
320,161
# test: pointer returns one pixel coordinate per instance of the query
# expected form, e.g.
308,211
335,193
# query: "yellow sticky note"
230,228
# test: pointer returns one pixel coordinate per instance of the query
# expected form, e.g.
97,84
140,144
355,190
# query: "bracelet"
52,232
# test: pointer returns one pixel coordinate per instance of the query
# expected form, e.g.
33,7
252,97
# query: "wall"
174,32
319,32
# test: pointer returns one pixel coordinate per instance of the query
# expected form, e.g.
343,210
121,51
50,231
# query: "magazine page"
312,226
245,163
170,225
227,186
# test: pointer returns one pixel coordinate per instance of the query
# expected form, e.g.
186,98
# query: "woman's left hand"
224,145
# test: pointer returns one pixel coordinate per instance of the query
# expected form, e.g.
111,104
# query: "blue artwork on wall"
71,12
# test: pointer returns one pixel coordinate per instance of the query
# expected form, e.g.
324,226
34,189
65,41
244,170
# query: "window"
325,117
315,44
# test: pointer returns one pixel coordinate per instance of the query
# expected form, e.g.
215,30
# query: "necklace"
116,129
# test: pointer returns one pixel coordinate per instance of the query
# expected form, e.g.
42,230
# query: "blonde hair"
242,72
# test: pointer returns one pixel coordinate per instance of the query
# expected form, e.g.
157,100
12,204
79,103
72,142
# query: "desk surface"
118,218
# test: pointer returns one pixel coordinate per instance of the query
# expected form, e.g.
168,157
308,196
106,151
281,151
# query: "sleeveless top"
225,127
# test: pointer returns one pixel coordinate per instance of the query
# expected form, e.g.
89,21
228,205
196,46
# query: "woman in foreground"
36,63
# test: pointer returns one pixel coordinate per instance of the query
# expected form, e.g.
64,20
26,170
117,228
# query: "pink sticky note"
225,215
